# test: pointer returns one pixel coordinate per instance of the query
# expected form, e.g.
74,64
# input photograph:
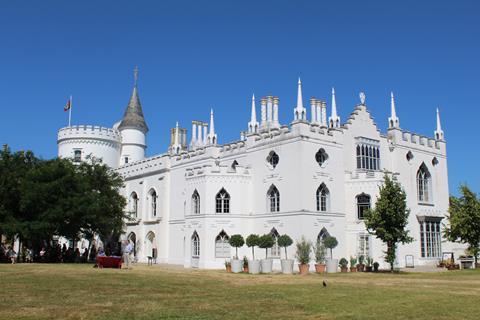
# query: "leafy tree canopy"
389,219
464,220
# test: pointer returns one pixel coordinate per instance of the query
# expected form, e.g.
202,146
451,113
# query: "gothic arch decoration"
275,250
195,245
222,201
321,157
323,198
195,202
133,203
153,197
273,159
273,196
132,237
424,184
322,235
150,245
222,246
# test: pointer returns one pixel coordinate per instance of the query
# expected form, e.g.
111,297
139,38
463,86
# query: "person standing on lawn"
127,250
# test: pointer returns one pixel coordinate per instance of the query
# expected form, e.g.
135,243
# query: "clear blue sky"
194,55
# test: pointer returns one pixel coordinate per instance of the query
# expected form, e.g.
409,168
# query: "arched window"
275,250
273,196
195,245
153,203
151,245
322,235
322,198
368,155
273,159
222,247
363,204
195,202
321,157
222,202
423,184
134,204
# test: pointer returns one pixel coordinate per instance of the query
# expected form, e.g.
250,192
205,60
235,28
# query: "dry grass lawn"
65,291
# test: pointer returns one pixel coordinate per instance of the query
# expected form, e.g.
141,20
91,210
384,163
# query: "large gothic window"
153,203
195,202
423,184
322,198
368,156
195,245
430,238
273,196
222,247
222,202
134,204
363,204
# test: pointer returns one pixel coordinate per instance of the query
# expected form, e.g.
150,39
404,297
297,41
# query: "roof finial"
135,76
439,132
299,112
334,119
393,121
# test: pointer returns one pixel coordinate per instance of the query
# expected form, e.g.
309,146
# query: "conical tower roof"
133,117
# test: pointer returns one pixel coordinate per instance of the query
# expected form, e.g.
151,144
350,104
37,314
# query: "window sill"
428,204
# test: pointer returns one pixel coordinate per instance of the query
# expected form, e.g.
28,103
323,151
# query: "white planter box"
287,266
332,265
253,266
237,266
266,265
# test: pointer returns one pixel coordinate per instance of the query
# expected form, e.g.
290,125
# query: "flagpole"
70,112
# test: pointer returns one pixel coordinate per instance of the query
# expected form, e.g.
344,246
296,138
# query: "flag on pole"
68,105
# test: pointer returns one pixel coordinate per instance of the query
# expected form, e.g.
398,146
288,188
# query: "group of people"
7,254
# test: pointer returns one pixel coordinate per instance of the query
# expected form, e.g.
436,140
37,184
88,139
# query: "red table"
109,262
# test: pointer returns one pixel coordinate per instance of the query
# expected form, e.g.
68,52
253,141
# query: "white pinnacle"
334,105
299,97
212,127
439,125
392,106
253,118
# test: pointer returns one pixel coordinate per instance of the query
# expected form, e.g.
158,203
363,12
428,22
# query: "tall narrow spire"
300,112
253,124
176,145
334,120
133,117
393,121
439,132
212,137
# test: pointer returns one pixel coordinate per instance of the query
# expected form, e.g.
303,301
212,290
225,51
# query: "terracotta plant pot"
360,267
320,267
353,269
229,268
245,269
368,269
344,269
303,268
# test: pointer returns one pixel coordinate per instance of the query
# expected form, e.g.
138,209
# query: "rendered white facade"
318,172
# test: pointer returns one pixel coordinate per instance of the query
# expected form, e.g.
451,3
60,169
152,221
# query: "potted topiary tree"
375,266
266,242
285,241
353,264
343,265
303,255
330,243
361,265
319,250
236,241
253,265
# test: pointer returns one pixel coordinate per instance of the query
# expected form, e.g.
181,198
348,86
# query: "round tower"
81,141
133,129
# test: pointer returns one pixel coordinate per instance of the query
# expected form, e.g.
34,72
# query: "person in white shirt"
127,250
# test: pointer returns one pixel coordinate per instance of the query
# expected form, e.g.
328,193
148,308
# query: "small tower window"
273,196
409,155
77,155
195,202
363,204
153,203
423,184
273,159
434,161
322,198
126,160
134,204
222,202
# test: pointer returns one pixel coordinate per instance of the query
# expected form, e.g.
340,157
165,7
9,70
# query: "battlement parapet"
89,132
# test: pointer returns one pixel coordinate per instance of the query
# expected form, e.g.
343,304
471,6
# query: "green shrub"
353,261
343,263
361,259
252,242
265,242
236,241
320,252
369,261
303,250
285,241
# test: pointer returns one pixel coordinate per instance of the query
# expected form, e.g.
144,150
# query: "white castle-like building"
313,177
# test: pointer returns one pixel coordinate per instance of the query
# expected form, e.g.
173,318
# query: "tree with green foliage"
389,219
266,242
331,243
464,220
236,241
252,242
285,241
